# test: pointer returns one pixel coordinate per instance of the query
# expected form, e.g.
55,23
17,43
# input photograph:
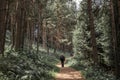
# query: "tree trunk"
3,20
44,34
116,34
14,24
39,25
92,30
20,27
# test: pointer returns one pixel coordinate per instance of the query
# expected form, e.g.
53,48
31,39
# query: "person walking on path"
62,59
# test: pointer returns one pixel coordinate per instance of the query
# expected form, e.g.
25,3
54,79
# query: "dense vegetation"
90,71
85,55
27,66
32,32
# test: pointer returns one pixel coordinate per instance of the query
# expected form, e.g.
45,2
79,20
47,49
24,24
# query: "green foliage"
103,34
27,66
90,71
82,38
82,42
81,34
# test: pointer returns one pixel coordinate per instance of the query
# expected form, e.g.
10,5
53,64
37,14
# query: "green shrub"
27,66
89,71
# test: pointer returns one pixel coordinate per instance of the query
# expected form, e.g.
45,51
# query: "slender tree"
92,29
115,33
3,19
20,25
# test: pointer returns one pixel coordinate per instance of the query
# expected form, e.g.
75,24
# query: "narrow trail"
67,73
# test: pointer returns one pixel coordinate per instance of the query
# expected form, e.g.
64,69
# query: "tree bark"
115,34
20,27
44,34
3,20
92,31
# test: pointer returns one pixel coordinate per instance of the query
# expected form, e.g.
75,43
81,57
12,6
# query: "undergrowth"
89,71
27,66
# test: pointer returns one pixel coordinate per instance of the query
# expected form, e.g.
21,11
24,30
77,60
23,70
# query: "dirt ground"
67,73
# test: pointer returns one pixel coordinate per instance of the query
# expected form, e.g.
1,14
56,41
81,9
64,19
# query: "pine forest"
59,39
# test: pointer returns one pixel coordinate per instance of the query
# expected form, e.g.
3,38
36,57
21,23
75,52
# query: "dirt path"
68,73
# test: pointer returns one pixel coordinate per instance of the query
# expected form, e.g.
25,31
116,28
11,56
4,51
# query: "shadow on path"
67,73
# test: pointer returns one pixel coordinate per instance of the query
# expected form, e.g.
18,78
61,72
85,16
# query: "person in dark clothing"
62,59
71,54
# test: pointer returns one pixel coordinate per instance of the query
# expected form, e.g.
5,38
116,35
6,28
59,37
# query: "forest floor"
67,73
